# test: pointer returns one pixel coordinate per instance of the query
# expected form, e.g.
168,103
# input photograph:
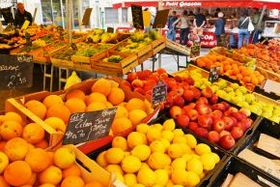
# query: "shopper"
171,33
217,12
220,28
22,15
243,33
184,27
255,20
199,22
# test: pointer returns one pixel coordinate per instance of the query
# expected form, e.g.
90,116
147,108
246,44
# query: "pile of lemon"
158,156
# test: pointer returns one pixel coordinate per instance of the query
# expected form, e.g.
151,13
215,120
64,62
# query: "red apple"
175,111
229,122
193,126
231,110
202,100
179,101
203,108
126,84
139,90
218,106
137,83
178,78
213,136
207,92
179,90
183,120
193,114
218,125
189,80
247,123
214,99
245,111
237,132
154,77
196,92
239,116
205,121
189,107
202,132
161,71
227,142
216,114
226,104
188,95
131,76
224,132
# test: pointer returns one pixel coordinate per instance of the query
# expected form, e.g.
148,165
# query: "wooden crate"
60,62
269,74
158,48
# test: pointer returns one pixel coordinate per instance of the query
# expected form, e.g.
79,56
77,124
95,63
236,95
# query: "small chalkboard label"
110,29
214,74
74,47
137,17
159,93
15,72
195,49
86,126
25,58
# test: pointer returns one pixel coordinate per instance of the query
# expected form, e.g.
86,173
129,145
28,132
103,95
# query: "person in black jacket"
22,15
220,28
243,32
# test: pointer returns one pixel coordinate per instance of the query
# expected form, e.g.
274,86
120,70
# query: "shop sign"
208,40
87,126
181,4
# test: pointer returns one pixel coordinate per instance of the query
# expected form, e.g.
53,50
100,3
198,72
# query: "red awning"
203,3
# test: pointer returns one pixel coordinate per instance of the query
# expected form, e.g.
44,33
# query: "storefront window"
124,15
111,15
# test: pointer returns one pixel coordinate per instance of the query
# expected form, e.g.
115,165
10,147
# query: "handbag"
250,25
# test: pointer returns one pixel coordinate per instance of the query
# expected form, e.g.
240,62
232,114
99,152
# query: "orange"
10,129
94,184
52,175
51,155
119,125
47,185
42,144
76,94
103,86
32,179
4,161
2,145
27,185
135,103
116,96
121,112
72,181
64,157
56,123
75,105
60,111
38,159
38,108
96,97
2,117
95,106
16,149
52,100
73,170
3,183
12,116
18,173
33,133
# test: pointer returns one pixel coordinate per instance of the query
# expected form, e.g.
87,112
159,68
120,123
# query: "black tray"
234,165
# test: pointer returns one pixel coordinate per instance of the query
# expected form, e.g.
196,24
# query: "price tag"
159,93
86,126
25,25
25,58
214,74
272,86
14,72
269,144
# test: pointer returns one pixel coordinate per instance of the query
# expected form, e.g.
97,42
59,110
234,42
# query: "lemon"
165,142
179,139
178,132
208,161
145,165
136,138
146,177
153,134
142,128
187,156
120,142
175,151
216,157
192,178
131,164
179,163
114,155
169,125
157,146
179,176
185,148
202,148
141,151
138,185
159,160
161,177
168,135
191,141
195,165
177,185
202,175
101,159
168,169
130,179
136,116
114,168
169,183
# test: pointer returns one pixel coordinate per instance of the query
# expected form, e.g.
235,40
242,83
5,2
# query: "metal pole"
52,11
62,14
79,15
261,17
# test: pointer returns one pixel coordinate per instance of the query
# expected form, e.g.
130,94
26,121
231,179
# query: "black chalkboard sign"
110,29
16,71
137,17
159,93
86,126
161,19
214,74
7,14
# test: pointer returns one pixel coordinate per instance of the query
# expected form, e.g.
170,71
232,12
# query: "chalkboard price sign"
159,93
86,126
137,17
15,72
214,74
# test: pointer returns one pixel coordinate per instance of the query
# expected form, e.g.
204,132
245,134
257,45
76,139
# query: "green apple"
250,98
234,86
229,89
243,89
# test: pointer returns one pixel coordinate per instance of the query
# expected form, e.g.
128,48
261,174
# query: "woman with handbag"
245,26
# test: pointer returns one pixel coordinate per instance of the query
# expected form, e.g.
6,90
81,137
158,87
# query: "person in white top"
183,23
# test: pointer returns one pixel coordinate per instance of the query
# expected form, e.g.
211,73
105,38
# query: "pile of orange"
104,93
25,162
